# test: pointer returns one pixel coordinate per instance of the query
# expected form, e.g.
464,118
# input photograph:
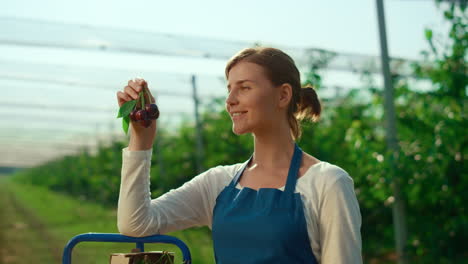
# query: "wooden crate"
150,257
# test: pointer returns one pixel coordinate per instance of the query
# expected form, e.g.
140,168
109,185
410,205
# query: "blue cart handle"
140,241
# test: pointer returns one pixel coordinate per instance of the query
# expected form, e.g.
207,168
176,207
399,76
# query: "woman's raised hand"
141,137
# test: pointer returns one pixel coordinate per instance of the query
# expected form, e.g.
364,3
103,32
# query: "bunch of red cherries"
146,115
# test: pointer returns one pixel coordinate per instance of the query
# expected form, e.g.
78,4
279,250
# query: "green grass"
20,240
59,217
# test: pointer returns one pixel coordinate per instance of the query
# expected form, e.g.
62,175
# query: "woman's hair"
280,68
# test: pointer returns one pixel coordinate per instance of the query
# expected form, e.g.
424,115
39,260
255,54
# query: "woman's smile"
238,115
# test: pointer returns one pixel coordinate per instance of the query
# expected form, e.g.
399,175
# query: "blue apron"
264,226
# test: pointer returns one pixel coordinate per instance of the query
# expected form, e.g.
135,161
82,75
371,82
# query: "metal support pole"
392,143
199,134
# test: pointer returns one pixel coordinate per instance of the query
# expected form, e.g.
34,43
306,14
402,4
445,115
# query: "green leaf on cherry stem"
126,108
125,123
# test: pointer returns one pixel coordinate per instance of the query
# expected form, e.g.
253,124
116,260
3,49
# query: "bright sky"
337,25
341,25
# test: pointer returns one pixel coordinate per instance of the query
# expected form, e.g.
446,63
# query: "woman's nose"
231,99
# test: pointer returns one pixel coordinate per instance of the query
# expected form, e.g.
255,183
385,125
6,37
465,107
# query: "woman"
282,205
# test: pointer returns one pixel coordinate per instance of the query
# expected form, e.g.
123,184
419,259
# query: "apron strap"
239,172
294,169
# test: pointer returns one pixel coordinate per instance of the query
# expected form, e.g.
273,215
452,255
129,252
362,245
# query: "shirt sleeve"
138,215
340,224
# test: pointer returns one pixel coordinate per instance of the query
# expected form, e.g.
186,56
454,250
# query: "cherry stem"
142,99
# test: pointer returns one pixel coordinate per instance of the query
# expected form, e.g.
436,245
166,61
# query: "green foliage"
439,117
126,108
317,60
124,112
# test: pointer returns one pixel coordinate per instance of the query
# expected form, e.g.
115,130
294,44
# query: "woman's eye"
245,87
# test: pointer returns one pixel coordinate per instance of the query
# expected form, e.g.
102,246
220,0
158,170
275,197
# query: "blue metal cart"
140,241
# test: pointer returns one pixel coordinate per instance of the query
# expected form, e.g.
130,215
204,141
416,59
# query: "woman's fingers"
122,98
137,84
132,90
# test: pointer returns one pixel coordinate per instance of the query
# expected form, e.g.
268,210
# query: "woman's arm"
180,208
340,224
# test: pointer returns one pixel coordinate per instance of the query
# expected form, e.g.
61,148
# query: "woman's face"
252,100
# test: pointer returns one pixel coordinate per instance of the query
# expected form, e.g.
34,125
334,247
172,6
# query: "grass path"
36,224
23,238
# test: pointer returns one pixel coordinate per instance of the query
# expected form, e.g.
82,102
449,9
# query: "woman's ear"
285,95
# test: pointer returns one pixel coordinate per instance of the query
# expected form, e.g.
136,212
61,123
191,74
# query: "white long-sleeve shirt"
330,206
